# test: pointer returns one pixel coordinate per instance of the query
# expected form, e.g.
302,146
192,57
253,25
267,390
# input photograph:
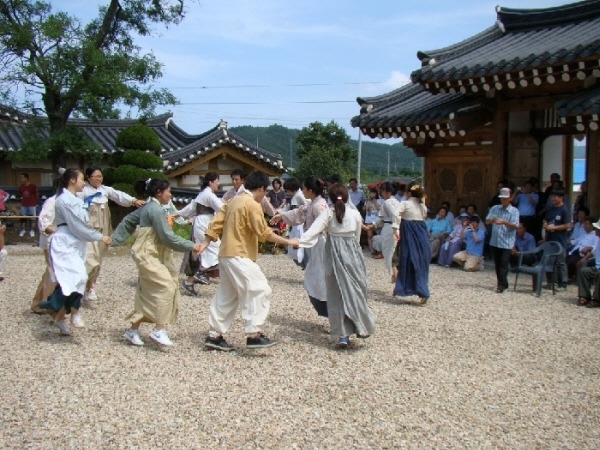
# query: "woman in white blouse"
95,197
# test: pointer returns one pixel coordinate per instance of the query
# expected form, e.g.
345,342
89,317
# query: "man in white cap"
588,275
504,219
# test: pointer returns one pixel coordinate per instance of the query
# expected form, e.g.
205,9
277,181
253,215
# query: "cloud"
396,79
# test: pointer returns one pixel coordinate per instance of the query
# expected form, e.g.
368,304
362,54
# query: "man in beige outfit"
241,224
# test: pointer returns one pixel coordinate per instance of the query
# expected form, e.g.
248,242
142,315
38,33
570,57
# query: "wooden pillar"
499,153
592,172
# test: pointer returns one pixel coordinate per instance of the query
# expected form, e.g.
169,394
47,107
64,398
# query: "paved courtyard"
473,369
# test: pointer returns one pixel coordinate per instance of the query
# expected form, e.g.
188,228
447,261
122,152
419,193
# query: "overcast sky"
292,62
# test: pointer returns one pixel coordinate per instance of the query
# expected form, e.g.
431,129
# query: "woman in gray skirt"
345,274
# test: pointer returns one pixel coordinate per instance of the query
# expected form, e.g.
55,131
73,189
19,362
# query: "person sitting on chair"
524,242
471,258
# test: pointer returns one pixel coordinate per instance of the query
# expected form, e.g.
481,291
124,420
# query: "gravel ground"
473,369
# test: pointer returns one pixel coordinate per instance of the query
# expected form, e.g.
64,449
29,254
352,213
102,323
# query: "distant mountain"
282,140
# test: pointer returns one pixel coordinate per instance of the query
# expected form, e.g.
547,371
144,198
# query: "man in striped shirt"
504,219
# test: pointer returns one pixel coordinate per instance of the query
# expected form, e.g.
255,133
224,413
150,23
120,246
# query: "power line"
262,86
269,103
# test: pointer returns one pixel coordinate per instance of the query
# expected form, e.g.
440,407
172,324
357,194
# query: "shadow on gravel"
293,281
302,330
378,295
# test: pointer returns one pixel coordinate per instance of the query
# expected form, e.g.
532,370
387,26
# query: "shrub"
140,158
138,137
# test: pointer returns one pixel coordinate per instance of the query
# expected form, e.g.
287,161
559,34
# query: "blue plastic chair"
547,261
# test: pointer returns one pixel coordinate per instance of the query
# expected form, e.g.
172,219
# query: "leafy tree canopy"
54,65
324,150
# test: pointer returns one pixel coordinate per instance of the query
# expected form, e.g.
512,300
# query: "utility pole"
388,165
359,156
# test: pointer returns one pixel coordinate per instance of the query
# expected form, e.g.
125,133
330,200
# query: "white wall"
552,158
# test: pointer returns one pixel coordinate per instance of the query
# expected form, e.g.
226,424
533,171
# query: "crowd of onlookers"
462,239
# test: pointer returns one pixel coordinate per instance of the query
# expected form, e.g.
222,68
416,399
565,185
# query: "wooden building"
506,103
186,157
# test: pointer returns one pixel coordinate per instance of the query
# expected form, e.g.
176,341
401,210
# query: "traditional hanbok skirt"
345,279
157,296
415,256
314,276
193,262
99,218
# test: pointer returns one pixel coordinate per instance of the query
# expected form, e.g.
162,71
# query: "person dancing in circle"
415,252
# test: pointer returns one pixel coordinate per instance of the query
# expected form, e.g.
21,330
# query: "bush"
138,137
140,158
130,174
125,187
116,159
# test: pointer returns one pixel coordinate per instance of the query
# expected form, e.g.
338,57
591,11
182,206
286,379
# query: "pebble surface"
473,369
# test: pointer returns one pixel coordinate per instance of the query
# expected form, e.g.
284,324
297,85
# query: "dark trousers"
501,257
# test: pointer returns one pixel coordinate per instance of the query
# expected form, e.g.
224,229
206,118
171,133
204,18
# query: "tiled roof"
407,110
581,110
103,132
177,146
521,40
525,47
585,102
212,140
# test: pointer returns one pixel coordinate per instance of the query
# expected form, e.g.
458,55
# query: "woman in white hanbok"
68,250
203,207
96,196
304,216
344,272
388,211
292,187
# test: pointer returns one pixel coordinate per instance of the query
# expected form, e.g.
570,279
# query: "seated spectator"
581,199
453,242
371,211
524,242
581,247
472,257
449,214
439,228
578,229
472,211
462,209
588,275
277,196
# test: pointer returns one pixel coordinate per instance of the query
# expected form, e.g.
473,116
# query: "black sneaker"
260,341
218,343
201,278
189,288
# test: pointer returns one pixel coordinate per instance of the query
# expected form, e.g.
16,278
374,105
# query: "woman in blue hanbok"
415,251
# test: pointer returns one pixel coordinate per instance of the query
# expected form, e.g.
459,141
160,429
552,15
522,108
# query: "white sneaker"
90,296
31,233
77,321
63,327
22,233
161,337
133,336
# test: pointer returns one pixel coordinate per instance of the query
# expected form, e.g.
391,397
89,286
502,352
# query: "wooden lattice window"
447,180
473,180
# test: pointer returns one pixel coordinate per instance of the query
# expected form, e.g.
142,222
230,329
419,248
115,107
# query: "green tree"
138,161
50,59
323,150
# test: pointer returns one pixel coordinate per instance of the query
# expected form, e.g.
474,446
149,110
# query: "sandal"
583,301
593,304
423,301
